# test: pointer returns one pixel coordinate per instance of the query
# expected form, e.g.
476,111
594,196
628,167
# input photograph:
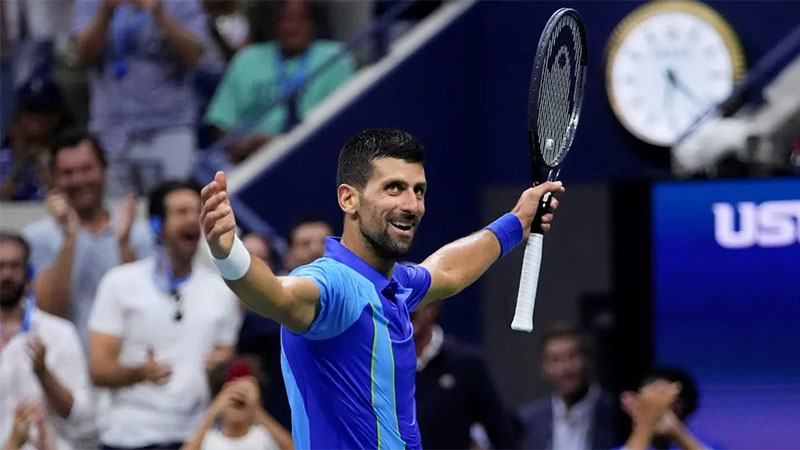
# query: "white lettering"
770,224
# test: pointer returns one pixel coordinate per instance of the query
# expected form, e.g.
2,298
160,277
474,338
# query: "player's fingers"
549,186
545,227
219,230
553,203
547,218
222,180
208,190
213,202
213,218
217,214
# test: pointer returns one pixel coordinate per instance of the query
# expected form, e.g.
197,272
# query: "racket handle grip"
544,208
528,283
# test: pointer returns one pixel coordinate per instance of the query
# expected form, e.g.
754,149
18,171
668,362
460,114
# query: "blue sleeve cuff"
508,230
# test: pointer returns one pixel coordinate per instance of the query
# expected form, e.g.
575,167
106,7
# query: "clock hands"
679,85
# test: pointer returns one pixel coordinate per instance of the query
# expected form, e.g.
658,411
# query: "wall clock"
667,62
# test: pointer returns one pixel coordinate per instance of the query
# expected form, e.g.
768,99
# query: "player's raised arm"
292,301
459,263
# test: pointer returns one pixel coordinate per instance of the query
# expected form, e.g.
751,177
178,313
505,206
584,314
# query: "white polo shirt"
133,303
64,358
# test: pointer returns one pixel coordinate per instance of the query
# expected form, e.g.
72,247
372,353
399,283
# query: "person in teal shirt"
260,73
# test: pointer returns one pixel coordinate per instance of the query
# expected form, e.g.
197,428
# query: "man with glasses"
155,325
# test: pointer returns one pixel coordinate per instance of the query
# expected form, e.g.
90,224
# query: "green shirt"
252,82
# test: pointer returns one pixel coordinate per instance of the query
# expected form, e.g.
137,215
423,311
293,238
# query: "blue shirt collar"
338,252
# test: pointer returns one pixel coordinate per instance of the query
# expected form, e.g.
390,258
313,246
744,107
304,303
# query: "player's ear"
349,200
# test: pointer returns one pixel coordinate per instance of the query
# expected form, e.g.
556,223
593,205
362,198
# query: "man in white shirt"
155,326
41,360
578,414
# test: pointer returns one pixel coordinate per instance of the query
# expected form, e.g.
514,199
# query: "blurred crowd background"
674,256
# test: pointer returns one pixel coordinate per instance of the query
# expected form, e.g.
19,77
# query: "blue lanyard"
288,82
125,26
173,284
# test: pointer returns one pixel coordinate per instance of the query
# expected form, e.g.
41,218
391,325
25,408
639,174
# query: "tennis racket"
556,93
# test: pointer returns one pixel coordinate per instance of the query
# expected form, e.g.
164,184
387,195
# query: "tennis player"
348,351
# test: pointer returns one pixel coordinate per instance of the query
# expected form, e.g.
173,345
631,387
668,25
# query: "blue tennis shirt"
350,376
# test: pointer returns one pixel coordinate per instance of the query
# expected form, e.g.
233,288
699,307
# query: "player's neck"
355,242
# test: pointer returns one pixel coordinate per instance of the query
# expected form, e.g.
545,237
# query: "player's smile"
404,226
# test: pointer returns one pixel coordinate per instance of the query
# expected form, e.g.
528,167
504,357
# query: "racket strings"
558,92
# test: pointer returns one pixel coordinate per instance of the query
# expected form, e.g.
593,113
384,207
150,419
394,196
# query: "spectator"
245,424
259,245
81,240
23,161
155,326
454,389
227,26
306,241
260,336
41,362
660,410
578,414
30,417
140,55
261,73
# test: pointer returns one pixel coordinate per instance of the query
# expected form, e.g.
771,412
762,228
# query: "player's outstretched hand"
528,204
216,216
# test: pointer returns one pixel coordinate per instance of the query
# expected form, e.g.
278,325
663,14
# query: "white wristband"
236,264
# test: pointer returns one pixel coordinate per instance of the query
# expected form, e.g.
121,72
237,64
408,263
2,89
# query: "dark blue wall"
464,95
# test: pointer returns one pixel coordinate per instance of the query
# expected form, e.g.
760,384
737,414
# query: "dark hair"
355,159
566,330
305,220
687,398
219,374
72,138
10,236
264,16
156,202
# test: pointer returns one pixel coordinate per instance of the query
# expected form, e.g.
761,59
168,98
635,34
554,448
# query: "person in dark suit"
454,389
578,414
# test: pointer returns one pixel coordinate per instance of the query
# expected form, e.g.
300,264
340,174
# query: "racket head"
558,81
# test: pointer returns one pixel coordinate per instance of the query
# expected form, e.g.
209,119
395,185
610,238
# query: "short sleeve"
341,298
416,278
83,13
230,321
222,111
107,314
331,79
44,245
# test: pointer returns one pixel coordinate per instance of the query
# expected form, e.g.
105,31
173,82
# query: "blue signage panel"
726,261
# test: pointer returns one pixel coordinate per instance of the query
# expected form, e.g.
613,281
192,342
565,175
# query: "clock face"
666,69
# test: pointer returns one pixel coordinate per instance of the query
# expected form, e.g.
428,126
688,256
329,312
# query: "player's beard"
383,245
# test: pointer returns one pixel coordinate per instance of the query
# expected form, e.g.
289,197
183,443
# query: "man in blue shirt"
348,349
